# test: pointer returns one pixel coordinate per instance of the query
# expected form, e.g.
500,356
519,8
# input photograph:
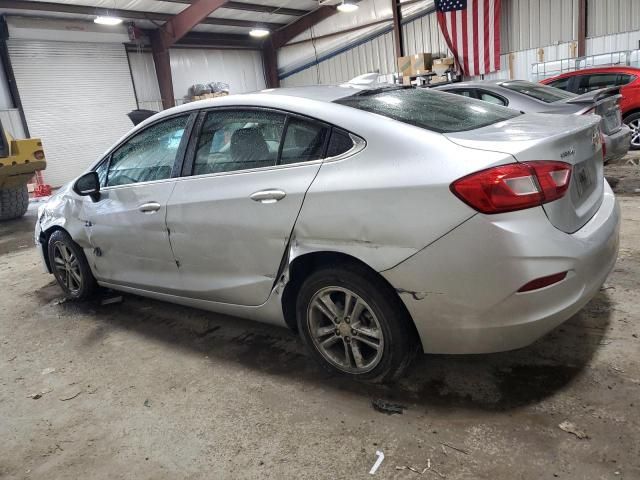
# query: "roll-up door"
75,97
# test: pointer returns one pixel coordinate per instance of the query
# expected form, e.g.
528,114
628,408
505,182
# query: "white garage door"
75,98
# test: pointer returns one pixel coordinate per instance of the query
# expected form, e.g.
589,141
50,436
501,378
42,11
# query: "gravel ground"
146,390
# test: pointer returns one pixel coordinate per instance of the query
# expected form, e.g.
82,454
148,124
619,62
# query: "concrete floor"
148,390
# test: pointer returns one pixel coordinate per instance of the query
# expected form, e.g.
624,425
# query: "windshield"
538,91
436,111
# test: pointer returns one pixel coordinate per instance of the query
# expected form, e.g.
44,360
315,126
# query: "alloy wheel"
635,132
345,330
67,267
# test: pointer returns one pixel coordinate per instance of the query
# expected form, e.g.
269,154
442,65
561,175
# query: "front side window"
304,141
149,155
233,140
432,110
538,91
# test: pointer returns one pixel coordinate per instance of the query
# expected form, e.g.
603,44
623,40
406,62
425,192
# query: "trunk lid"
604,102
567,138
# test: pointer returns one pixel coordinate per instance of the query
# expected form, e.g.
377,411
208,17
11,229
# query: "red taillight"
39,154
543,282
514,186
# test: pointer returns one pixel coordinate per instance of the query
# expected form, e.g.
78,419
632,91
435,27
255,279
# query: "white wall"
241,69
145,81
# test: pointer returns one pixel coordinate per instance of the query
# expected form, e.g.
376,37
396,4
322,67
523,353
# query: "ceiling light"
259,32
347,7
107,20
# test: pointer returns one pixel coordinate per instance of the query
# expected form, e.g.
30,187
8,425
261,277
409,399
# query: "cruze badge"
568,153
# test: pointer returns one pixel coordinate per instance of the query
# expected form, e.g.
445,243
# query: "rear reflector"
543,282
515,186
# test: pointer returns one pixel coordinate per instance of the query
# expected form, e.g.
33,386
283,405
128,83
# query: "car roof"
614,69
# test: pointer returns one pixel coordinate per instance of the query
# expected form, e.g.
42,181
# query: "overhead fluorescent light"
259,32
347,7
107,20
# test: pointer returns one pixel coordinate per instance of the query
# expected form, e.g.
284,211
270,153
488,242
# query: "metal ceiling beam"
167,35
397,29
126,14
582,28
282,36
253,7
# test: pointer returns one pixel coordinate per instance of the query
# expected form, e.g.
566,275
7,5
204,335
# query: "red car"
627,78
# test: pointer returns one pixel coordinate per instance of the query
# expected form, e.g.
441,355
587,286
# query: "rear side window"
624,78
538,91
304,141
339,143
233,140
587,83
429,109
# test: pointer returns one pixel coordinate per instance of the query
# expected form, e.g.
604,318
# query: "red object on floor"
42,190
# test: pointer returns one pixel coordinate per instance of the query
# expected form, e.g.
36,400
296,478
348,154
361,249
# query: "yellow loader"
19,161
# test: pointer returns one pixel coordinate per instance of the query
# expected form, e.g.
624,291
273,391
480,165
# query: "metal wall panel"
376,55
75,97
605,17
423,35
529,24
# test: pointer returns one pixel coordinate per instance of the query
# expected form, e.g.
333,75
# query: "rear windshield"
436,111
538,91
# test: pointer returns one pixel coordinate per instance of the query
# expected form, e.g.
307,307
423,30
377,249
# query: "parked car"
376,221
626,78
533,97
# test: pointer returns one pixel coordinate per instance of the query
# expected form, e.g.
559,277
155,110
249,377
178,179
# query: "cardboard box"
441,65
404,66
421,63
406,80
439,79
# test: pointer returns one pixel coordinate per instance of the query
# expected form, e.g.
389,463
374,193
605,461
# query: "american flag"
472,31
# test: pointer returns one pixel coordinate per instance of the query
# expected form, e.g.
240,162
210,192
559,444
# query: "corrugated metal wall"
423,35
533,23
375,55
606,17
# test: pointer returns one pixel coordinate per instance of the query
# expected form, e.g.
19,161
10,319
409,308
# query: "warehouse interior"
130,387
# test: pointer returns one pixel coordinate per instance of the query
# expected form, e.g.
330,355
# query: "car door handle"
270,195
150,207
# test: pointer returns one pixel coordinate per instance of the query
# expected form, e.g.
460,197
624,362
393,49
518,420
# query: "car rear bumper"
461,291
617,144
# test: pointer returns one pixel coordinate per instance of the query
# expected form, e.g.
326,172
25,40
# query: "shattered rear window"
429,109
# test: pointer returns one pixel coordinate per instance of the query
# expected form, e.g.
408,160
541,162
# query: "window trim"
180,154
188,165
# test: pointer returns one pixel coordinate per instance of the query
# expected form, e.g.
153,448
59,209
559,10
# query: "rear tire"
70,266
372,339
633,122
14,202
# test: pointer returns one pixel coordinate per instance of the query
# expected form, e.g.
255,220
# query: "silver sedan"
537,98
376,221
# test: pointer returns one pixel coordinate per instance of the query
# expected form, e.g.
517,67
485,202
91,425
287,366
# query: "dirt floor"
146,390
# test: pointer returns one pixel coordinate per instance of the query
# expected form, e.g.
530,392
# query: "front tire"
633,122
14,202
354,324
70,266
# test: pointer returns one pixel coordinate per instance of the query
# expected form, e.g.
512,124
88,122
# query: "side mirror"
88,185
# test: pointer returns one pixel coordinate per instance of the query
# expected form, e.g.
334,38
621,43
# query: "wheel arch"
631,112
302,266
44,243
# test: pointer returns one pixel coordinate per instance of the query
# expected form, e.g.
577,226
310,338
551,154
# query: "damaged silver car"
377,221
